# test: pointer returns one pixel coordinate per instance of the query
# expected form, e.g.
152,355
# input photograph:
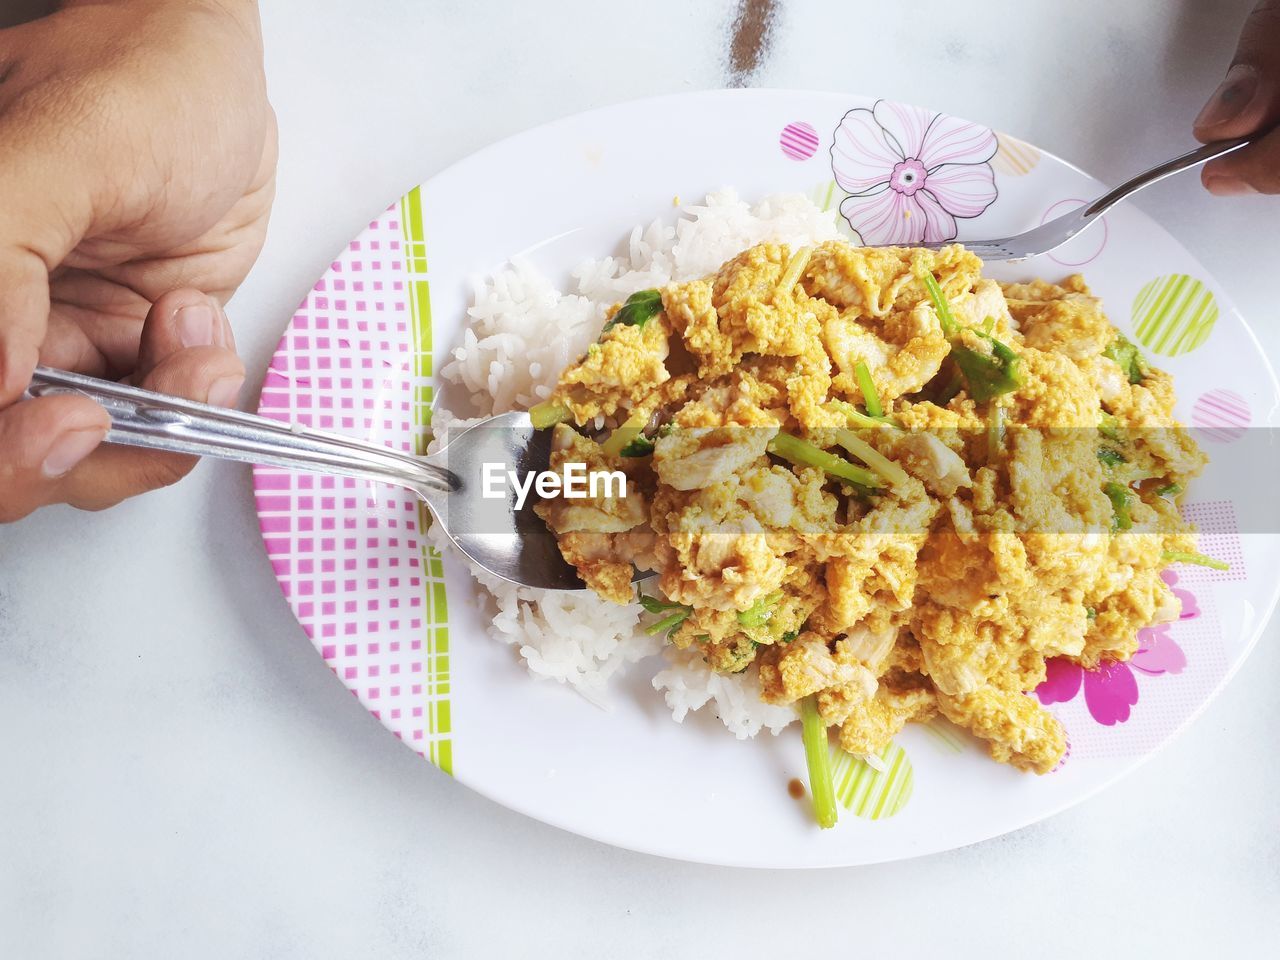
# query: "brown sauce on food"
796,789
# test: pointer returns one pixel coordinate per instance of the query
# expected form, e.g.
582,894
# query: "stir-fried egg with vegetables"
891,486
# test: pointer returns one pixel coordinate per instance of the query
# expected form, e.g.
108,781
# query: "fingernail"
196,325
1235,92
69,449
226,391
1228,187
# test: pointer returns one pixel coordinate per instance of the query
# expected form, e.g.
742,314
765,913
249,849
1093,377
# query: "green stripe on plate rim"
870,793
1174,314
437,715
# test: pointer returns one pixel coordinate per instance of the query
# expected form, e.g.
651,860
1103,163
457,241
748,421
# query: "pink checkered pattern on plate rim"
349,554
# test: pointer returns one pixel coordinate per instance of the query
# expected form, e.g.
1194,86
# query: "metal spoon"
1049,236
512,544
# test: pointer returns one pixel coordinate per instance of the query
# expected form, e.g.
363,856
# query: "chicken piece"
902,355
985,306
597,561
942,470
1061,319
699,457
877,571
1017,729
873,281
867,646
720,554
619,372
596,534
1055,393
743,309
1130,595
721,570
805,666
713,438
602,513
1056,482
869,726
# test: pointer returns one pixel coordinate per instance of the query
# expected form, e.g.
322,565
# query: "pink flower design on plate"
1111,691
911,173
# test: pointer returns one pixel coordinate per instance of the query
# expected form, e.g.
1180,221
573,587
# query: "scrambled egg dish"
892,485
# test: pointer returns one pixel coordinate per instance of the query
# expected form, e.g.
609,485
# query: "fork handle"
155,421
1193,158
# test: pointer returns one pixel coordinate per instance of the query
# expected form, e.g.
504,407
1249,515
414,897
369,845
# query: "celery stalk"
868,388
547,414
806,454
872,457
628,431
1199,559
817,755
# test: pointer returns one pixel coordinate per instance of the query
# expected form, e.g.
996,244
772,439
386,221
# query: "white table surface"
181,776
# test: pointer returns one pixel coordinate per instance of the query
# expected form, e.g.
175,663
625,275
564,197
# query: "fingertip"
24,314
43,440
182,319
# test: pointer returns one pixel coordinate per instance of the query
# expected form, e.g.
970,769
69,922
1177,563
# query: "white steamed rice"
522,332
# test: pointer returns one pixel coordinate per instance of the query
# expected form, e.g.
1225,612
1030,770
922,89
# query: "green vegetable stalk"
641,446
758,614
817,754
795,266
995,432
988,376
1121,498
872,457
868,388
676,614
1199,559
1128,357
547,414
1110,457
806,454
985,375
626,434
857,419
940,306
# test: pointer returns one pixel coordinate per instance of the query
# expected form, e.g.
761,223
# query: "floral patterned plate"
404,629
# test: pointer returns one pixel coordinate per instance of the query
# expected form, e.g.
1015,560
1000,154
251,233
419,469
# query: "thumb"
1248,99
1247,102
24,317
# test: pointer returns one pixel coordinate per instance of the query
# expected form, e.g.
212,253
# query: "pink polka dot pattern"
1221,415
799,141
348,554
1217,536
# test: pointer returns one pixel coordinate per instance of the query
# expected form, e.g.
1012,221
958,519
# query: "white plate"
408,635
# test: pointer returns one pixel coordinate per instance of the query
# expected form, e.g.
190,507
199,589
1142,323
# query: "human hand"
1247,101
137,169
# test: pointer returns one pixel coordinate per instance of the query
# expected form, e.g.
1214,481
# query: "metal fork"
1058,231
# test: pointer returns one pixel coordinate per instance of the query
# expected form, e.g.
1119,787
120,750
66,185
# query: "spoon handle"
141,418
1157,173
